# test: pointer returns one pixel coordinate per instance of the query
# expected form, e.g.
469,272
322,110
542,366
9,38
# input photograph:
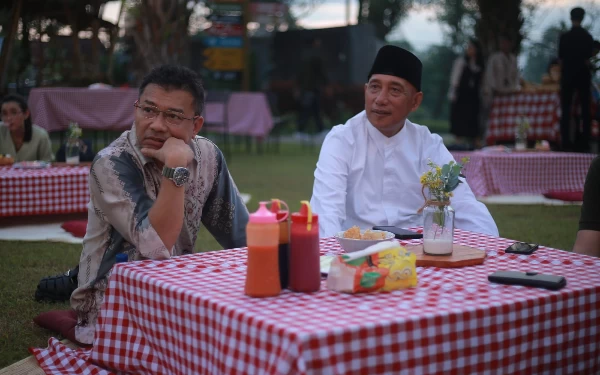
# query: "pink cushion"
62,322
75,227
568,196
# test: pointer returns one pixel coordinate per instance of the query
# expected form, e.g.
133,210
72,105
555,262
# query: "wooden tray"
462,256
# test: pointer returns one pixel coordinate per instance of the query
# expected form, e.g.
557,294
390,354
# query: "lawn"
287,175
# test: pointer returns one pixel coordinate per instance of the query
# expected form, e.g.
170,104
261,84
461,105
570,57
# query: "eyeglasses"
172,118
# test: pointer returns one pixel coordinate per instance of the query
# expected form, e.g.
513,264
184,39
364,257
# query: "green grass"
287,175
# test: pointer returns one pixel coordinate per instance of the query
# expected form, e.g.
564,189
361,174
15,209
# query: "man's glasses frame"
173,118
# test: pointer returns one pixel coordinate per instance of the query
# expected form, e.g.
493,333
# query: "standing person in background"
501,77
19,138
465,95
311,81
575,49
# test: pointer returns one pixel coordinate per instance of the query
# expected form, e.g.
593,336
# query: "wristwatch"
178,175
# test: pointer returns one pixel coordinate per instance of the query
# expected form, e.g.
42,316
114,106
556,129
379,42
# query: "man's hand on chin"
173,153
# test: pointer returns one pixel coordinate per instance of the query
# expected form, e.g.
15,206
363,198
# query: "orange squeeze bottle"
262,236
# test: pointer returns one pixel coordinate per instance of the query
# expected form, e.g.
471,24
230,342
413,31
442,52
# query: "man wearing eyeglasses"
149,191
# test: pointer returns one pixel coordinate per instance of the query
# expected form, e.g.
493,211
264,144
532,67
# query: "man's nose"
382,98
159,123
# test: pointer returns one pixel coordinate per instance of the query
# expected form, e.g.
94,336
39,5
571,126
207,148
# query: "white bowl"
351,245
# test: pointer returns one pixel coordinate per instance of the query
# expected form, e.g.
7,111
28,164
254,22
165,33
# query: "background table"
492,173
112,109
248,114
542,110
55,190
189,315
101,109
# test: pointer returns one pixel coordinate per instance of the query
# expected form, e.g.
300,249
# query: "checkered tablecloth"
494,173
55,190
542,109
189,315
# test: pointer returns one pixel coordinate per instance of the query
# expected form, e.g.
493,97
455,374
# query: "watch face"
180,176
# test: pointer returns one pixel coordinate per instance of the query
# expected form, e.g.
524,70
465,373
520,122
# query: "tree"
159,32
384,15
497,18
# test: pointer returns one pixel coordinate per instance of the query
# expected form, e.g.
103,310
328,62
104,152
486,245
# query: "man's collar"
382,140
132,136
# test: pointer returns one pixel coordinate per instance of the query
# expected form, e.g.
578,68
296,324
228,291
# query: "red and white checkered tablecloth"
189,315
542,109
495,173
55,190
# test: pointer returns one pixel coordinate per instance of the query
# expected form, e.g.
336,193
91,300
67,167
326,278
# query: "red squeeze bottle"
284,241
262,236
305,269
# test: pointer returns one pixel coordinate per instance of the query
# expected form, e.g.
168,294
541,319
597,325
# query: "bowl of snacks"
355,239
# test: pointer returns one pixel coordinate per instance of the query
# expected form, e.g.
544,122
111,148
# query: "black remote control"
534,279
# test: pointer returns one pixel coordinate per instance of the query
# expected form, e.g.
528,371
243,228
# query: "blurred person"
150,190
369,169
551,79
501,77
19,138
465,95
311,82
575,48
588,236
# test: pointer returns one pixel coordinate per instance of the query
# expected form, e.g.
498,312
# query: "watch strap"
168,172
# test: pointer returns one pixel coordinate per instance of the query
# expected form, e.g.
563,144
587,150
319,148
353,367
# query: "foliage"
540,53
74,131
441,181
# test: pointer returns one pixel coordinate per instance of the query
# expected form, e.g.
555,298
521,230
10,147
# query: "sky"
420,27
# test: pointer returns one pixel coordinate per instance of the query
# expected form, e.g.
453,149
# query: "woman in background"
19,138
465,95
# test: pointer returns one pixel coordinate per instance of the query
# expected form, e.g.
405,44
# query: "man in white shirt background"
369,168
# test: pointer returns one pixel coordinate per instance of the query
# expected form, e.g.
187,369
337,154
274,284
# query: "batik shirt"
123,187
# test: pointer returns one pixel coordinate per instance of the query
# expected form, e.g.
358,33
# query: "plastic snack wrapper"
384,266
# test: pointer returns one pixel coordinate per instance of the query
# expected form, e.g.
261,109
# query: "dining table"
524,172
43,190
189,315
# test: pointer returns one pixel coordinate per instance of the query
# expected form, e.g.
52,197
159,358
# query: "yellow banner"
224,59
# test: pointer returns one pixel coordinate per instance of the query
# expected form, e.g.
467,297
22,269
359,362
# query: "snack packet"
382,267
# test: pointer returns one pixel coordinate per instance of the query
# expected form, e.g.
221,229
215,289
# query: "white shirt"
501,74
365,178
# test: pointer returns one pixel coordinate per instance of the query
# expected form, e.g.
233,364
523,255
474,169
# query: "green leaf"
369,279
445,169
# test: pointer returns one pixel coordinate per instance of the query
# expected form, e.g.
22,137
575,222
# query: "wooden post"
8,43
246,47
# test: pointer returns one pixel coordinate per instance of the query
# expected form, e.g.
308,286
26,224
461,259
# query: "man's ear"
417,99
198,123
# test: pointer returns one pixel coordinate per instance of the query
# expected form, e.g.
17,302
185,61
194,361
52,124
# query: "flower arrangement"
441,181
74,131
523,127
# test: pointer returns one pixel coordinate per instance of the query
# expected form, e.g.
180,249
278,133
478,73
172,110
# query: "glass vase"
72,151
438,228
520,141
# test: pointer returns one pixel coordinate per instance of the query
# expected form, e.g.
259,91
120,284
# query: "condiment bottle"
305,271
262,236
284,241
